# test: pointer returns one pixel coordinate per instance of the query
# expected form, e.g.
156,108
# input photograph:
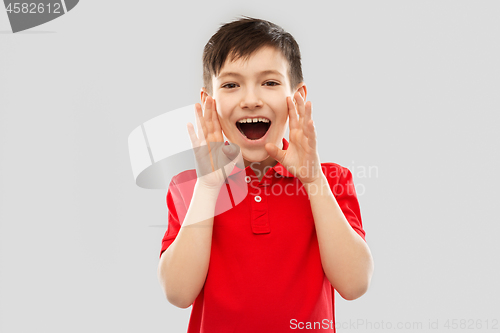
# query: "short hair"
243,37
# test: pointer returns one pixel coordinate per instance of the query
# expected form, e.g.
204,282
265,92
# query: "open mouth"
253,128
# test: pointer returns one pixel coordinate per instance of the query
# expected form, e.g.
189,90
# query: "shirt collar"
279,168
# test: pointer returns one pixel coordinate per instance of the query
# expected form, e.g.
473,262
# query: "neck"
260,168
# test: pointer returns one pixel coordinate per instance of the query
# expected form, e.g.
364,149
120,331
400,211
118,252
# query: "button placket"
260,214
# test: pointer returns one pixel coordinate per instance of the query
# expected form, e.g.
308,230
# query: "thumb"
275,152
230,151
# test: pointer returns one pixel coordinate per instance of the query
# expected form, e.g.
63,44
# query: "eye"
229,85
271,83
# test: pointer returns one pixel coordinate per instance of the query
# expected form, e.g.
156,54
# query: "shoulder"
184,177
181,186
180,191
334,172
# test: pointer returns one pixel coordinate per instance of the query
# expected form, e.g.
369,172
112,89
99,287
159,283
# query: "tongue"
254,131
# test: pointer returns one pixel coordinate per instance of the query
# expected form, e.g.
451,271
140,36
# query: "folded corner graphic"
161,148
29,14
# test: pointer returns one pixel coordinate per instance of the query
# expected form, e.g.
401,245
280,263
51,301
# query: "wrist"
316,185
208,189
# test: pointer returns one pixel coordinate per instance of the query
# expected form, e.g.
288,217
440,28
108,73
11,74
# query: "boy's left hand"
301,157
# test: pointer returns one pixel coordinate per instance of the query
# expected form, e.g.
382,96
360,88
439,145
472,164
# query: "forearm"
183,266
345,256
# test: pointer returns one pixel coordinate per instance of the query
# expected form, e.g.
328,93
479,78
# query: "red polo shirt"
265,272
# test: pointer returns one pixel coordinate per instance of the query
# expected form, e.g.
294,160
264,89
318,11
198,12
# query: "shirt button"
258,198
247,179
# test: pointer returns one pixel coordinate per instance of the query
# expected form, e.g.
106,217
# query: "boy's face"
255,88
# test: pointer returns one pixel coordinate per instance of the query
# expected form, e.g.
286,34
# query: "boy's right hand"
214,160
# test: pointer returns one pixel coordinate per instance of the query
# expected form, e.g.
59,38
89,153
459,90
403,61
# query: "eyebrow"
270,71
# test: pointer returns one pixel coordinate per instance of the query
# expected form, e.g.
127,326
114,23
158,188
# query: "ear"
203,95
302,89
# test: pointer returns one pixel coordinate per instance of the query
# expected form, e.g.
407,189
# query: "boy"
271,262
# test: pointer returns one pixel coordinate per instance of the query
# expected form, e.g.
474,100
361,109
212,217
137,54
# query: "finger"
197,113
307,116
298,100
208,128
292,113
208,117
202,128
192,135
308,111
217,126
312,134
302,112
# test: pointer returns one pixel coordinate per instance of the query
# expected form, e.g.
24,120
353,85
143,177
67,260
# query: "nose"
250,100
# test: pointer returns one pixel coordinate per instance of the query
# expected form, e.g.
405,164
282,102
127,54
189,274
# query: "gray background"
410,88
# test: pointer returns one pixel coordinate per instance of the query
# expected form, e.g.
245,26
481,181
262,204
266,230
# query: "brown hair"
240,39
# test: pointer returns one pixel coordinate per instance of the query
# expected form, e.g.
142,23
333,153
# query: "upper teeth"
253,120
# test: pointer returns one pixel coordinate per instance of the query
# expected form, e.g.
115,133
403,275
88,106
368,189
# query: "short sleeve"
345,193
173,197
